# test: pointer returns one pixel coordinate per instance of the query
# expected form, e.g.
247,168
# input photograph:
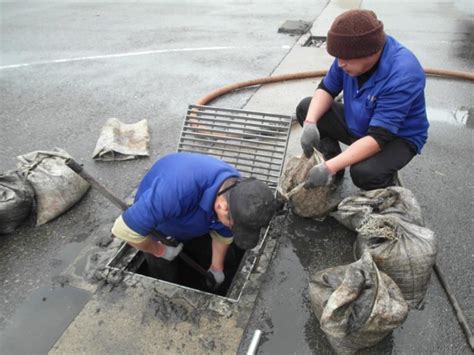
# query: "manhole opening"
237,267
315,41
180,273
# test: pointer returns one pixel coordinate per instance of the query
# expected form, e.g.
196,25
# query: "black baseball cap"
252,206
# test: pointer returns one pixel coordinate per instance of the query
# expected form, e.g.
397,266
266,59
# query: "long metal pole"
77,168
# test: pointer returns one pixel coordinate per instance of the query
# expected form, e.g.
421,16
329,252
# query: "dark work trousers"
379,170
200,250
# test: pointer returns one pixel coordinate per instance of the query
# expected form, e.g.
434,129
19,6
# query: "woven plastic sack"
356,304
404,251
315,203
353,211
16,201
57,188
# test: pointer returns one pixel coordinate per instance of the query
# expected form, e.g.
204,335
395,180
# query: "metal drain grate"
253,142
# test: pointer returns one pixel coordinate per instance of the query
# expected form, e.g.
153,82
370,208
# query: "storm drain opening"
238,266
179,272
315,41
255,143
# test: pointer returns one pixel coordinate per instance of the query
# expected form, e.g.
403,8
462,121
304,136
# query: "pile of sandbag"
359,304
43,183
314,202
390,226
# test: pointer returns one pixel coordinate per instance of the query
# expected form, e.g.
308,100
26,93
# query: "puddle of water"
460,117
40,320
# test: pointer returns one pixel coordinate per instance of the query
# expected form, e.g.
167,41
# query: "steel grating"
253,142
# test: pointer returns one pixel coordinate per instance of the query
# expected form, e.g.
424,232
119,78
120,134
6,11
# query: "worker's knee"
302,110
366,177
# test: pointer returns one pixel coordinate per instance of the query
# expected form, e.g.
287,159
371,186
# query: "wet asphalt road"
47,104
65,104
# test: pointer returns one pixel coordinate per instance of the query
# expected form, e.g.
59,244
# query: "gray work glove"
171,252
309,138
319,175
218,275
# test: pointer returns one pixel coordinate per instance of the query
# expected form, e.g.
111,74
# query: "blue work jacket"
392,98
176,197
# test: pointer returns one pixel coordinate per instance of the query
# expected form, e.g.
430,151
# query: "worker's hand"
218,276
319,175
171,252
309,138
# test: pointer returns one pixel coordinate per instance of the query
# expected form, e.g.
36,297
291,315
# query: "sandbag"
356,304
404,251
121,141
314,203
57,188
16,201
353,211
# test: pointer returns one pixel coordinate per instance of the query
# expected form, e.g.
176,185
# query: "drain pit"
315,41
236,267
183,274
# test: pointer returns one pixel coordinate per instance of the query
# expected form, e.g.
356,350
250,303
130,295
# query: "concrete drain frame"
128,260
253,142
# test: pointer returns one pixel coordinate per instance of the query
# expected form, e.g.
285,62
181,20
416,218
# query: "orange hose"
313,74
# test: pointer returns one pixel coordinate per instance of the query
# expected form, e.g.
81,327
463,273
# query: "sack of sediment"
404,251
357,305
57,188
16,201
315,202
397,201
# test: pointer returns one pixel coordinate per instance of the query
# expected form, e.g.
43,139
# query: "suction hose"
313,74
461,75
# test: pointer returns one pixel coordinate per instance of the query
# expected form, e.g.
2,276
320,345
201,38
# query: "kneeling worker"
188,196
383,115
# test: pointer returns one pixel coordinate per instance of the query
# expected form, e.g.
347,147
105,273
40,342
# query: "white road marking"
121,55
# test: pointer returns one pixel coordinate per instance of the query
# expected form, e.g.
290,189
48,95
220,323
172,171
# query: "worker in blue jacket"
383,116
188,196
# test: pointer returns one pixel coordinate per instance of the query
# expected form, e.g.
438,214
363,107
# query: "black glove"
309,138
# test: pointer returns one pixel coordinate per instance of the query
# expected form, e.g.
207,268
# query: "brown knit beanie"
355,34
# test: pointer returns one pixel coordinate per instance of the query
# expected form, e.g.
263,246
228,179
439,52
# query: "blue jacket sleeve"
333,80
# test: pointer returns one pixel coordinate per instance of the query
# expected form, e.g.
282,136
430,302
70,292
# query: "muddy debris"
104,241
60,280
167,310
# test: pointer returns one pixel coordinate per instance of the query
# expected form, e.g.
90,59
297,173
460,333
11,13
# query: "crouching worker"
383,116
201,202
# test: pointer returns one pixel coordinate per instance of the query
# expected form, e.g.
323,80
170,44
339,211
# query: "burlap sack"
353,211
57,188
356,304
404,251
121,141
314,203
